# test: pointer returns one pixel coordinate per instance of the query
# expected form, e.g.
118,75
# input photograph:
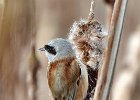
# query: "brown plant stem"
107,70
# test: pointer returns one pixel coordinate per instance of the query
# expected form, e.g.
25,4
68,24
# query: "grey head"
58,49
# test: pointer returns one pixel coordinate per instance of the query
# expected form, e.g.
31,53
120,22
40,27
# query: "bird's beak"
42,49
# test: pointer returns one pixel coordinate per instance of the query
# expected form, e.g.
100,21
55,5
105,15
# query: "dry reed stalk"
110,5
108,56
16,33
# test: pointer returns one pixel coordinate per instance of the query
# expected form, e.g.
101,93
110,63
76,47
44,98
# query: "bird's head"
58,49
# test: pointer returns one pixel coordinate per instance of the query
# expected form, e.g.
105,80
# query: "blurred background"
26,25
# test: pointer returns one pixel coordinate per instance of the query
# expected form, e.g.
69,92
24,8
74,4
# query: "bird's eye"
50,49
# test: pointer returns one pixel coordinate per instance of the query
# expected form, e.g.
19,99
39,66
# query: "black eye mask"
50,49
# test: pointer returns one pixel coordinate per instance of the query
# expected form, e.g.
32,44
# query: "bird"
67,77
73,63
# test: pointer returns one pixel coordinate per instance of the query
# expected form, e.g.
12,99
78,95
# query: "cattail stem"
111,51
91,13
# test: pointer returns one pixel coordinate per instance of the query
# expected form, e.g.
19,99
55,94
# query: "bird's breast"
56,77
62,76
